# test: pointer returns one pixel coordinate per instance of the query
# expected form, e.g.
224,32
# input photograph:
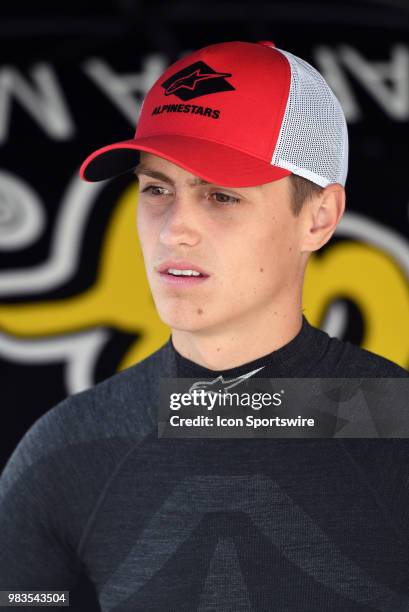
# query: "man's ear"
321,216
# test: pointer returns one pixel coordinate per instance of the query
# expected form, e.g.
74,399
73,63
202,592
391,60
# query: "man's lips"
181,280
180,264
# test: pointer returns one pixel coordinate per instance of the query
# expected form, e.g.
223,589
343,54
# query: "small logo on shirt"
219,384
196,80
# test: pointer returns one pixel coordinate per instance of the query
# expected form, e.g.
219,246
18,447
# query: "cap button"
266,43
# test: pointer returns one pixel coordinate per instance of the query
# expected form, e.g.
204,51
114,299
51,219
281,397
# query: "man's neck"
222,350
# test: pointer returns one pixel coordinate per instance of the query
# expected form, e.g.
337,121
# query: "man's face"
246,239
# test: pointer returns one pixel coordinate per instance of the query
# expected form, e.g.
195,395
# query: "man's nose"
181,223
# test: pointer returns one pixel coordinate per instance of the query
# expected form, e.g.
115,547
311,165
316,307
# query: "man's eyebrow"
141,169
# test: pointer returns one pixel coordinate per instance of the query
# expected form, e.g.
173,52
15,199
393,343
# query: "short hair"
302,191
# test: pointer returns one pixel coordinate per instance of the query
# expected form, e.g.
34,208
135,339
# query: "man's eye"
155,190
224,198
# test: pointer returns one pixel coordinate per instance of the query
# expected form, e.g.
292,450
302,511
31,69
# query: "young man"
218,524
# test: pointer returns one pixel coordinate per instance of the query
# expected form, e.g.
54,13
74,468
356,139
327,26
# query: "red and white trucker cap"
236,114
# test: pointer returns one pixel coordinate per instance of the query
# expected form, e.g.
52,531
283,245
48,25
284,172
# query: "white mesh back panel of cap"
313,140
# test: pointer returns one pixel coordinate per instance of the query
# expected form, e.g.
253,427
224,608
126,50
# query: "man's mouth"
182,278
181,267
176,272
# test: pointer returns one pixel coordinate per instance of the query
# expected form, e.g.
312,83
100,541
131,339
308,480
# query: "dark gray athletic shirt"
294,525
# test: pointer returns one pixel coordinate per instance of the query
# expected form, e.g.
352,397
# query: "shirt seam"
90,521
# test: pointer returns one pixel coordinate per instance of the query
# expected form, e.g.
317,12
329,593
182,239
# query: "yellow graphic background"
121,296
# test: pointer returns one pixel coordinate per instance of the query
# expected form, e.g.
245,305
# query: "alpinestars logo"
196,80
219,384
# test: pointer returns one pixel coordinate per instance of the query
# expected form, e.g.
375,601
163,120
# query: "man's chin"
180,319
183,325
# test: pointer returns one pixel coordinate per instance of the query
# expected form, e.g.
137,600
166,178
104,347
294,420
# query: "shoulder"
103,421
119,405
354,361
